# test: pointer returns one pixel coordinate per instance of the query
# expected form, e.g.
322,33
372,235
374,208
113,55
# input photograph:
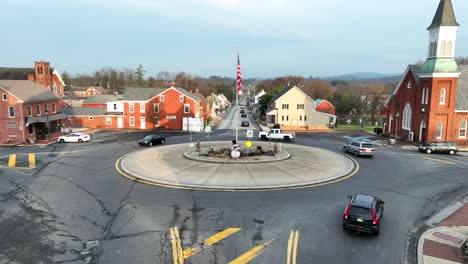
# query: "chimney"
173,84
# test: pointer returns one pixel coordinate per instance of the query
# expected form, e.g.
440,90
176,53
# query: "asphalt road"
74,207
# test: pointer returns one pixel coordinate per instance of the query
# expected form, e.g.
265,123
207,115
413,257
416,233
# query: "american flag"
239,75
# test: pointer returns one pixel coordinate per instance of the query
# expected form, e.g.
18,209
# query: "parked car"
439,147
151,140
363,213
360,148
245,123
243,115
242,111
74,137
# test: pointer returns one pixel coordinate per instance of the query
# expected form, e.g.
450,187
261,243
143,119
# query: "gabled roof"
286,90
82,111
141,94
186,93
415,70
201,97
84,88
101,99
28,91
444,15
8,73
462,90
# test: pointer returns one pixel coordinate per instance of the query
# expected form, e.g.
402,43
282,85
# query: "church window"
442,49
427,95
443,93
448,49
440,126
463,127
433,49
410,85
407,117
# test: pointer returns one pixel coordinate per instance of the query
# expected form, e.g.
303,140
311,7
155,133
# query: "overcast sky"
275,37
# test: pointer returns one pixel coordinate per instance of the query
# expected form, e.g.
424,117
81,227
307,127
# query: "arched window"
448,49
433,49
442,49
463,127
407,117
390,120
443,92
440,126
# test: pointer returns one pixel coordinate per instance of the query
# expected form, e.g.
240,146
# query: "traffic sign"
249,133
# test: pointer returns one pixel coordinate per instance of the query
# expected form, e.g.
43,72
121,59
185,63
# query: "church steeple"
444,17
442,39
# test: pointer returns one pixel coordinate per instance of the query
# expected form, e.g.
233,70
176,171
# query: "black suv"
363,213
439,147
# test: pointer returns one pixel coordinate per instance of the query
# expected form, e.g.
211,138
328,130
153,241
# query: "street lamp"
47,124
397,114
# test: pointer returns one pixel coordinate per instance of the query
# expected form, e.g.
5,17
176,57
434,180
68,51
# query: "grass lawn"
356,127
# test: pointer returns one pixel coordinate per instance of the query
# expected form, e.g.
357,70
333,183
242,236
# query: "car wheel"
163,141
451,152
428,151
62,140
264,137
356,154
150,144
80,140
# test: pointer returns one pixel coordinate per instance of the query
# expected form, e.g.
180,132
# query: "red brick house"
143,108
41,73
87,91
324,106
430,103
28,110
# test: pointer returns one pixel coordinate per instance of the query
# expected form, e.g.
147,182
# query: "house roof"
187,93
415,70
141,94
101,99
84,88
8,73
444,15
28,91
201,98
462,90
82,111
286,90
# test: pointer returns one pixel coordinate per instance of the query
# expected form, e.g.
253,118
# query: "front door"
422,131
119,122
143,122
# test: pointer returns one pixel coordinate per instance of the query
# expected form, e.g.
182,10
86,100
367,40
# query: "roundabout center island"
208,166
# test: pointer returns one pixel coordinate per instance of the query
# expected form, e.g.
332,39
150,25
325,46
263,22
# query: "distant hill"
365,76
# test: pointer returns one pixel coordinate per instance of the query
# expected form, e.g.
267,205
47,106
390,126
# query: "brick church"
430,103
41,73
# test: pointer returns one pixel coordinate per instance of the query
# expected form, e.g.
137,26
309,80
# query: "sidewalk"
447,243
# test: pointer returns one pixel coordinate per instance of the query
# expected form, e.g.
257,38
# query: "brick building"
430,103
87,91
41,73
28,110
99,101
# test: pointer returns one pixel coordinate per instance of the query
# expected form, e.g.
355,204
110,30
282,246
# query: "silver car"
359,148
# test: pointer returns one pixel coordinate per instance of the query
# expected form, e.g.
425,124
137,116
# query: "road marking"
456,161
442,161
176,246
292,247
210,241
32,160
12,161
251,254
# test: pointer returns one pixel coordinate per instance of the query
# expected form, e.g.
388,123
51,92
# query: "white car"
74,137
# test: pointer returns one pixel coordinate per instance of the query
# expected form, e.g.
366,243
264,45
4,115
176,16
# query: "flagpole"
237,116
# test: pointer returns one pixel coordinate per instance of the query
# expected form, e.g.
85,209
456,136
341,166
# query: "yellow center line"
296,241
176,246
292,247
251,254
210,241
442,161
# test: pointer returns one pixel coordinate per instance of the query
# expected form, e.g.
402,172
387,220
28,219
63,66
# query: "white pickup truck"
275,134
